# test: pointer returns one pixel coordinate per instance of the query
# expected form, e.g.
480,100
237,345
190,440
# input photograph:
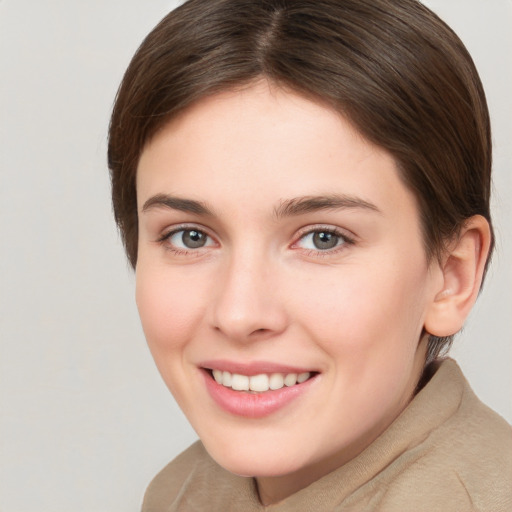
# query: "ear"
462,270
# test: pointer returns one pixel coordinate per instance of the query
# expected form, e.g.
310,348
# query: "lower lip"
253,405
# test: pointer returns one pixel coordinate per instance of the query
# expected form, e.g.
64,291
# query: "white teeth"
240,382
226,379
303,377
276,381
290,379
258,383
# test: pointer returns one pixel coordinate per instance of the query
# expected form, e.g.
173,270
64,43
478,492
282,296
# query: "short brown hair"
391,67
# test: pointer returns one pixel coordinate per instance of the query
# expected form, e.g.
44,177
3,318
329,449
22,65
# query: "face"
282,282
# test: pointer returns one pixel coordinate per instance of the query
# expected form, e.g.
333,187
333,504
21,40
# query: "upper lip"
252,368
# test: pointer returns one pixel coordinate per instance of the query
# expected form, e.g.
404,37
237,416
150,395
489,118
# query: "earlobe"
462,270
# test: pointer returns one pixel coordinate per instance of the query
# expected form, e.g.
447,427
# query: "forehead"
263,143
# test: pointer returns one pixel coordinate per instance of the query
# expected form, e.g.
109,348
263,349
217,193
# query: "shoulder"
165,487
466,459
194,481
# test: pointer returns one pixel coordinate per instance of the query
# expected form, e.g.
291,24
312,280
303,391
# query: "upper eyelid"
306,230
185,227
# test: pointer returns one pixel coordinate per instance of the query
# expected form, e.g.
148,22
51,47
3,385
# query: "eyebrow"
287,208
308,204
177,203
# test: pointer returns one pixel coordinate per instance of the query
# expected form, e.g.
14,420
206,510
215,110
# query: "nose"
247,304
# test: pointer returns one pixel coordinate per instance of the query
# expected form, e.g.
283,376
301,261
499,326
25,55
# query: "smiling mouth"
258,383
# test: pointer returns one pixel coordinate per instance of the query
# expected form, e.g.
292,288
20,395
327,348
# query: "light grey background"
85,420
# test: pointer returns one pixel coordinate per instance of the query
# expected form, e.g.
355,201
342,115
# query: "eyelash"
164,240
345,241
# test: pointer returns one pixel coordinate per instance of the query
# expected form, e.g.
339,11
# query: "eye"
322,240
188,239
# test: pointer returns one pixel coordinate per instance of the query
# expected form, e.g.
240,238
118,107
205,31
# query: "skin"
260,290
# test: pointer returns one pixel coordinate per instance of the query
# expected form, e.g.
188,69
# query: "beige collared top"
446,452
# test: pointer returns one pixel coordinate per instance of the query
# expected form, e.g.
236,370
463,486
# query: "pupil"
193,239
325,240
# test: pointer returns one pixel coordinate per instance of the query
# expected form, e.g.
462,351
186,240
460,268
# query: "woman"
303,190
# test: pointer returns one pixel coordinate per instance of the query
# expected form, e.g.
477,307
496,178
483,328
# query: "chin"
246,460
255,461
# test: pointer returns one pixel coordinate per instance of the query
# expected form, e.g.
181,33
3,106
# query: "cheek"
168,309
364,307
